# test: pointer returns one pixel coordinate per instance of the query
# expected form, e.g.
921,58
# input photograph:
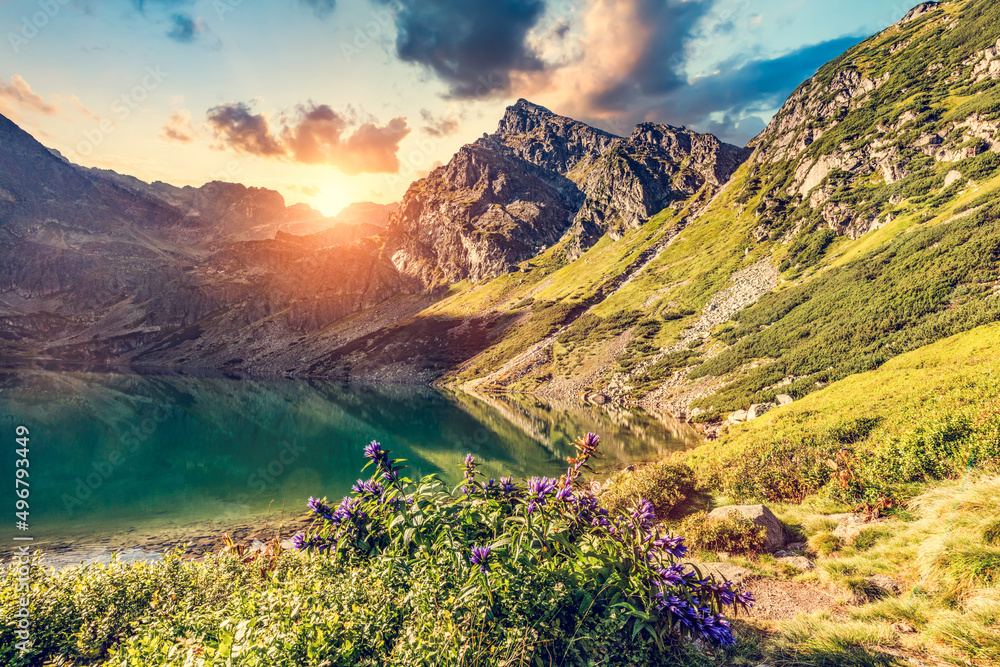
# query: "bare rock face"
479,216
506,197
920,10
550,141
96,265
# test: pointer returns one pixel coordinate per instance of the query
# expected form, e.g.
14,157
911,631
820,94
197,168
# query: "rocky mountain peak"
29,172
919,10
549,140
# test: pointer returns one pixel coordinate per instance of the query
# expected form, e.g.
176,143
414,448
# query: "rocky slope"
664,267
864,224
102,266
99,266
511,195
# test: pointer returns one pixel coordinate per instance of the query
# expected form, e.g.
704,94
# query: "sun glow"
330,200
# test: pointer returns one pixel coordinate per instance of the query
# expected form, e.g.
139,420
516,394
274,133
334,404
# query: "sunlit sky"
335,101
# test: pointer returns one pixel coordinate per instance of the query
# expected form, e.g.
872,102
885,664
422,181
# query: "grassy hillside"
923,416
896,244
916,441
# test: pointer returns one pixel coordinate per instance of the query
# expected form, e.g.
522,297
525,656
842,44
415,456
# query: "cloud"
622,52
17,96
473,46
438,127
626,62
737,90
184,28
307,190
314,134
245,132
610,62
179,128
322,8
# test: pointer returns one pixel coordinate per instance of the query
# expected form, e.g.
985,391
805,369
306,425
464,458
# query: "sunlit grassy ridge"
922,416
844,306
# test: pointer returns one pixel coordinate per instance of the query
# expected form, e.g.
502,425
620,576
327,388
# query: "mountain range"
666,267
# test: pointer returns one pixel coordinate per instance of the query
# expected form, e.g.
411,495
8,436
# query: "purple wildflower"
301,541
507,486
745,598
480,556
565,493
320,508
539,489
672,546
469,466
644,516
377,455
671,576
349,508
367,488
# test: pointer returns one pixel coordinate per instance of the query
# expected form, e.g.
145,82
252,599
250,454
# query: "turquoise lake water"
113,453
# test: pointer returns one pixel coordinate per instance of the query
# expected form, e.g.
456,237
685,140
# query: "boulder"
776,536
738,417
784,399
850,526
885,583
800,563
697,412
757,409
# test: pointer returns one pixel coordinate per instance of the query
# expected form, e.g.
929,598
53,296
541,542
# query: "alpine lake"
141,463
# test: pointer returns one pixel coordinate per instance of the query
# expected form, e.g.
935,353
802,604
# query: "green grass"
919,417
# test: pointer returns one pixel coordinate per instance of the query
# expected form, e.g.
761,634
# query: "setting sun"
330,200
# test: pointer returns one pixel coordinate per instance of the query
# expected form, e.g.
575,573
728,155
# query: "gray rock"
784,399
757,409
738,417
885,583
800,563
776,537
918,11
850,526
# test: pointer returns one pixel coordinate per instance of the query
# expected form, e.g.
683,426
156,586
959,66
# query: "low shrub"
667,486
825,543
401,573
733,534
869,537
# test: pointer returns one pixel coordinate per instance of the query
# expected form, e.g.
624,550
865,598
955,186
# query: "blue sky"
333,101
